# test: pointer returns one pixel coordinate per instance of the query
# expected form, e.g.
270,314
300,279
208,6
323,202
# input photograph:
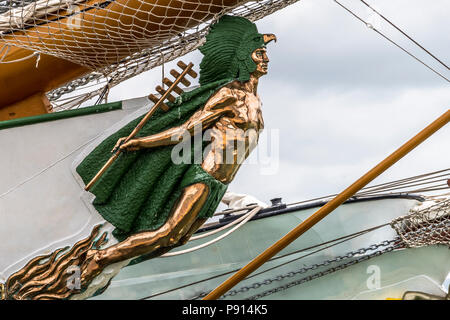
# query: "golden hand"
132,145
118,143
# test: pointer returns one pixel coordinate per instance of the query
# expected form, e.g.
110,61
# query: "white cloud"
329,140
321,44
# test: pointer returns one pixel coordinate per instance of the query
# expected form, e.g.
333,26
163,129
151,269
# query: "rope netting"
116,39
425,227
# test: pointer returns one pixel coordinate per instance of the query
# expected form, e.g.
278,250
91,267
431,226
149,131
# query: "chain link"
389,245
73,85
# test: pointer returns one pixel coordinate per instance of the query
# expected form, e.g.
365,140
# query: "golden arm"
213,110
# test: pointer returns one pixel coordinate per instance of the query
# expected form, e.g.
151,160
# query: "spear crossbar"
144,120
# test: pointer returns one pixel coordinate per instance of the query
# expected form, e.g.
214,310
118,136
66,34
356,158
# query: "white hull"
42,202
43,207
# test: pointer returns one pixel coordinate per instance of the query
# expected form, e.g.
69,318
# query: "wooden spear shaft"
138,127
329,207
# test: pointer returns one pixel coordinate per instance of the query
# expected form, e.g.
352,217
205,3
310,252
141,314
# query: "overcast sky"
340,97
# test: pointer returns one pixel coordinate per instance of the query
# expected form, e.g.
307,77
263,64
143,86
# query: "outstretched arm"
216,107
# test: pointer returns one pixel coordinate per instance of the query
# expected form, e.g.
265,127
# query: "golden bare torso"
235,134
231,119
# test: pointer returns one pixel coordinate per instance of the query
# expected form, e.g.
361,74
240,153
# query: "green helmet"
228,48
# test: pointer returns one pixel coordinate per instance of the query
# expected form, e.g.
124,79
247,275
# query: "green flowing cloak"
139,190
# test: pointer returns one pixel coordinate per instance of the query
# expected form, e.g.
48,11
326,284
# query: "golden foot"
91,267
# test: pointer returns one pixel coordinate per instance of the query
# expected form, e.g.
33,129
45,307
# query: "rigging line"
34,54
396,187
379,188
392,24
434,188
408,183
348,237
423,184
79,99
417,178
429,189
426,189
4,51
391,41
104,92
387,184
399,186
70,99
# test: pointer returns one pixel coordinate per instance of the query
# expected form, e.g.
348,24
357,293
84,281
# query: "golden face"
259,56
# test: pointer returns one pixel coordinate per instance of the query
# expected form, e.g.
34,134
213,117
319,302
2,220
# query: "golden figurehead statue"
154,201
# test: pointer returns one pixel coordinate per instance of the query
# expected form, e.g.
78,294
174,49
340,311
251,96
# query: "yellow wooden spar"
23,85
103,33
330,206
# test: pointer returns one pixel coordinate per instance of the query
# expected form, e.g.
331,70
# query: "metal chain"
388,248
72,86
389,245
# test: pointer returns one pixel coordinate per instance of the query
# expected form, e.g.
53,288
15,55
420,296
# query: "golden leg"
181,224
195,226
159,252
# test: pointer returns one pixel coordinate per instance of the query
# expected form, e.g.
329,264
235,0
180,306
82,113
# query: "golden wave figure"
48,277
